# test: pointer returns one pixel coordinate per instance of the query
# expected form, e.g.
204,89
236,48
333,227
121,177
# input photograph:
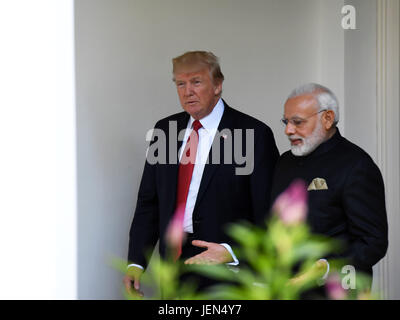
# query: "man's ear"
218,88
328,119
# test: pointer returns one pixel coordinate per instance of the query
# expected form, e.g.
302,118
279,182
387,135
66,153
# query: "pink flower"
291,205
174,235
334,288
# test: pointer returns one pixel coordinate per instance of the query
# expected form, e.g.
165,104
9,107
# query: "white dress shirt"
207,132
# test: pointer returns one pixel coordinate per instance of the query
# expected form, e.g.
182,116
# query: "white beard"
310,143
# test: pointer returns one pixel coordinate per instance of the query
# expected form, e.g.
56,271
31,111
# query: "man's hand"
215,254
133,275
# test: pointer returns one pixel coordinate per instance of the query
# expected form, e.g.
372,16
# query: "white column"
388,142
37,139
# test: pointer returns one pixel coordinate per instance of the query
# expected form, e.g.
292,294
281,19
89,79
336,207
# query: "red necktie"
185,172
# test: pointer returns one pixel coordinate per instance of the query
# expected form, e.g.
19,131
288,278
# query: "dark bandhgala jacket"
223,198
351,207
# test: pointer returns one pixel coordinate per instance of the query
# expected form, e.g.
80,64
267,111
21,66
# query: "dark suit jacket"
352,208
223,196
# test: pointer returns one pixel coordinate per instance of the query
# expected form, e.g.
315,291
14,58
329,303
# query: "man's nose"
188,90
290,129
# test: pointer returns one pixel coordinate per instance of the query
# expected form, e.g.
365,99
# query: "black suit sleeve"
144,232
364,204
266,155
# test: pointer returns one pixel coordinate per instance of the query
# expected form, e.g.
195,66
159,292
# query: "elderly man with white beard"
346,198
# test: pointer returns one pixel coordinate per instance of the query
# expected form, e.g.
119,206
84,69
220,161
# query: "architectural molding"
388,142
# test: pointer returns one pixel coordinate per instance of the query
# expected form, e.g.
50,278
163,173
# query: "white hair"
326,98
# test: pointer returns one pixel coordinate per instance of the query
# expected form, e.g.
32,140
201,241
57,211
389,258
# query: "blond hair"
196,60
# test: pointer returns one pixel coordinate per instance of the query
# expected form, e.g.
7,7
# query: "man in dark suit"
202,196
346,198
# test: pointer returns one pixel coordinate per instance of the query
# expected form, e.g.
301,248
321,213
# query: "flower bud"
291,205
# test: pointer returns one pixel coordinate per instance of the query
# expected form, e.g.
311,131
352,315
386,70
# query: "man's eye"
297,122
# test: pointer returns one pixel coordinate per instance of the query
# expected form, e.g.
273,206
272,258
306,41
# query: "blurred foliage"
277,262
280,260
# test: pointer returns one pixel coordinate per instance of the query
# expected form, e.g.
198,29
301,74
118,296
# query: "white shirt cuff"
235,260
134,265
327,271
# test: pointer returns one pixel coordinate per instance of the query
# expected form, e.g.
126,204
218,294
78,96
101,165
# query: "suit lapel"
172,167
182,125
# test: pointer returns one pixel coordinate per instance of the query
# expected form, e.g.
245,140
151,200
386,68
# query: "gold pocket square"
318,184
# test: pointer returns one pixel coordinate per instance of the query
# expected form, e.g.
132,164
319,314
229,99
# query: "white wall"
123,64
360,77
